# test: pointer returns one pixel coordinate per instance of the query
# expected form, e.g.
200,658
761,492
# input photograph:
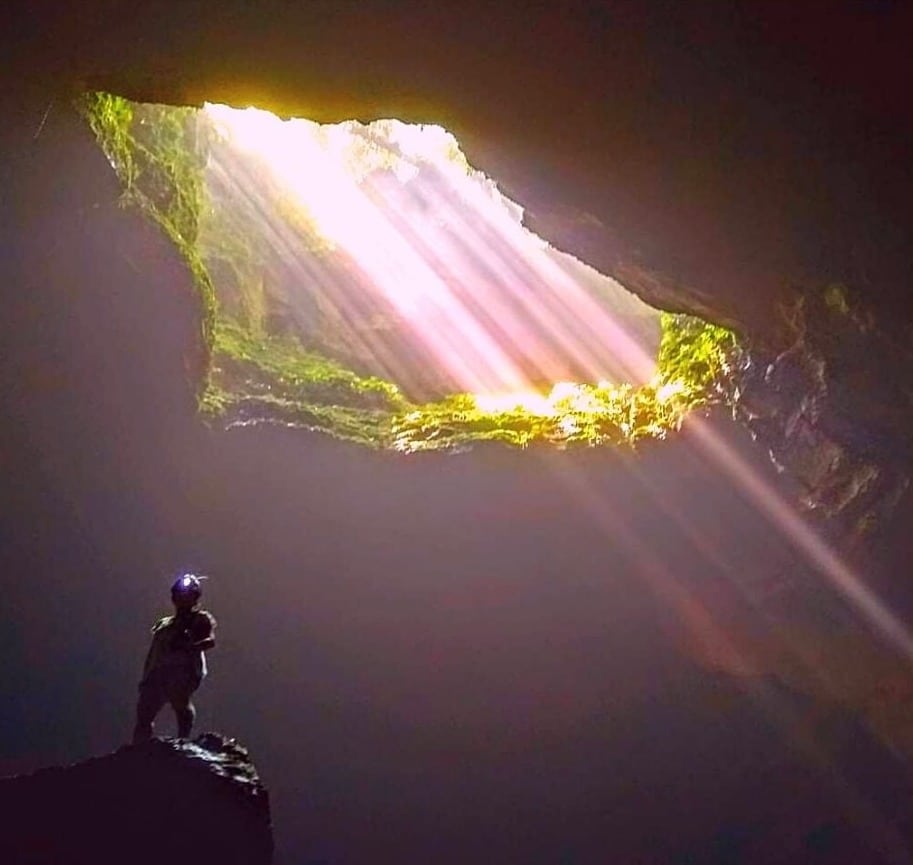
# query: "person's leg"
184,711
151,699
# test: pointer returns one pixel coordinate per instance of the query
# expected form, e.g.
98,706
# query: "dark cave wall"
396,635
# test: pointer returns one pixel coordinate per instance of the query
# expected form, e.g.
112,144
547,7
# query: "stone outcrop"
806,405
175,801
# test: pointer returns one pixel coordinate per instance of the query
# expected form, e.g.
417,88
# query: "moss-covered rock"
158,156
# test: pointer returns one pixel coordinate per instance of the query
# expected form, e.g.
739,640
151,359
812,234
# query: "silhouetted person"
175,664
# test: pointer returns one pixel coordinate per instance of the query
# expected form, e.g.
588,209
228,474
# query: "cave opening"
363,280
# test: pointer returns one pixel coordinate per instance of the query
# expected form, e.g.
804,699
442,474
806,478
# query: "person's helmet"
186,590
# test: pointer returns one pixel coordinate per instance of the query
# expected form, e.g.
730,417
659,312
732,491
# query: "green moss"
694,360
111,118
282,366
247,375
261,378
269,378
159,157
696,354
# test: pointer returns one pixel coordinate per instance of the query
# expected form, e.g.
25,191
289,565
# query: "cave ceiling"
712,158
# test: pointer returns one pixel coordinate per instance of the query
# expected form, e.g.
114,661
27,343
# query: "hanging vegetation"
257,373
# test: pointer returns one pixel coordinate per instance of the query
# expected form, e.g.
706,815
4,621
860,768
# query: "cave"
690,647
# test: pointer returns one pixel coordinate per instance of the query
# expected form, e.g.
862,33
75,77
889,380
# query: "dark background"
450,659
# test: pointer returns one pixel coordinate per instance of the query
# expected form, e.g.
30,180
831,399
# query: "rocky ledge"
174,801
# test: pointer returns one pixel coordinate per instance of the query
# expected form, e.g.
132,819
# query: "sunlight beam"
481,293
806,539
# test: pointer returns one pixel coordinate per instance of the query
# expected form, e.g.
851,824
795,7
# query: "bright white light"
487,300
670,389
564,398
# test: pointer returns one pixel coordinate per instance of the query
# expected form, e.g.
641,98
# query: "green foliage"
282,366
159,158
693,361
257,377
457,420
262,378
236,265
583,415
169,163
110,118
695,354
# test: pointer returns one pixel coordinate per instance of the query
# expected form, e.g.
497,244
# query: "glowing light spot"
568,425
564,398
574,397
440,252
670,390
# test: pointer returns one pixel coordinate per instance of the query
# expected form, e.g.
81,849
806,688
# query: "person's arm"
203,632
147,664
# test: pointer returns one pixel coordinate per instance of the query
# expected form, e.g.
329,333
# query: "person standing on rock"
175,664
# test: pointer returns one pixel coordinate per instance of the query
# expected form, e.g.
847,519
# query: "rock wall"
834,410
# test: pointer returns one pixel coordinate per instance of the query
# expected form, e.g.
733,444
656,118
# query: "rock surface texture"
198,802
833,410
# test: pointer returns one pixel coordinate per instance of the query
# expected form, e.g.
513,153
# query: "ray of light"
487,303
718,647
805,539
483,296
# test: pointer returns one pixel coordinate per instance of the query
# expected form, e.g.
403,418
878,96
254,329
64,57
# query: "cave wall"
411,646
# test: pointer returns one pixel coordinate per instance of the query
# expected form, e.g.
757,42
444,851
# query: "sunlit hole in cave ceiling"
379,245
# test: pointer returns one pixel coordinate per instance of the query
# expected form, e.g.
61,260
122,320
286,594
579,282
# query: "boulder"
167,800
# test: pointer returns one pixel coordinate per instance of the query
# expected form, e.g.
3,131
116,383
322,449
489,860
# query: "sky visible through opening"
380,246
